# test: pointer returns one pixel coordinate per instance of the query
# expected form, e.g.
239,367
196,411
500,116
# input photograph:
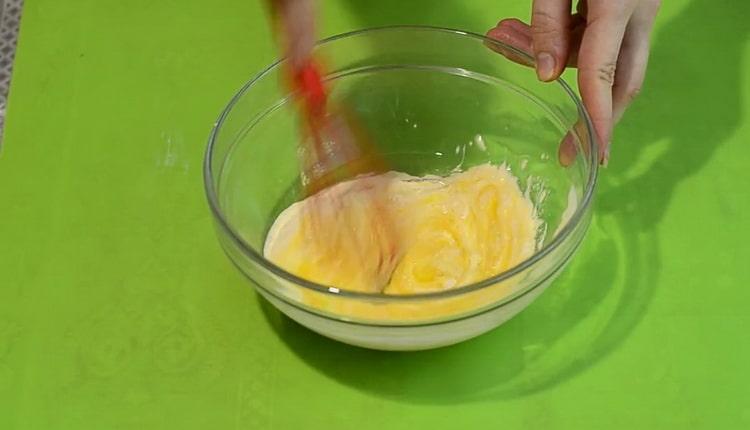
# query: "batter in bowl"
398,234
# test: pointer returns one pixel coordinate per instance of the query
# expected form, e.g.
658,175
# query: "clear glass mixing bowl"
431,99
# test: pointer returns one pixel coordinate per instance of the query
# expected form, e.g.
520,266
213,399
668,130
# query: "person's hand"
295,29
608,40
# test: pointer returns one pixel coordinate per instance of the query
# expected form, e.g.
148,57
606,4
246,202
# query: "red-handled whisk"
335,148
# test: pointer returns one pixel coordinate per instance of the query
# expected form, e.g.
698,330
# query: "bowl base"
407,338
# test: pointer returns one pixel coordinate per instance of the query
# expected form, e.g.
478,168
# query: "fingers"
631,65
582,8
297,26
601,39
597,61
516,34
517,25
576,29
551,37
631,69
567,151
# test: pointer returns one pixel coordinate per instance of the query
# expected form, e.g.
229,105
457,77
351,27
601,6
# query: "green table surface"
119,310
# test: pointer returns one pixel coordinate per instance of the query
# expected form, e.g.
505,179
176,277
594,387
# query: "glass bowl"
432,99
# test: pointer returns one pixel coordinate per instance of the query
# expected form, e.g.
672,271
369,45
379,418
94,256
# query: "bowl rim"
257,257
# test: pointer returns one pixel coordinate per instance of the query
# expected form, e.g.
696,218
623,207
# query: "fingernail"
545,66
605,159
567,151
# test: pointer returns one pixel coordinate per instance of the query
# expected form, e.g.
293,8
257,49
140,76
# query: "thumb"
550,35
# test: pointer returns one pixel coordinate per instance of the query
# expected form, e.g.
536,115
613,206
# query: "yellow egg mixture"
399,234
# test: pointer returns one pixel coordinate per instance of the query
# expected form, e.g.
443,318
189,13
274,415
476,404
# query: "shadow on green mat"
666,137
